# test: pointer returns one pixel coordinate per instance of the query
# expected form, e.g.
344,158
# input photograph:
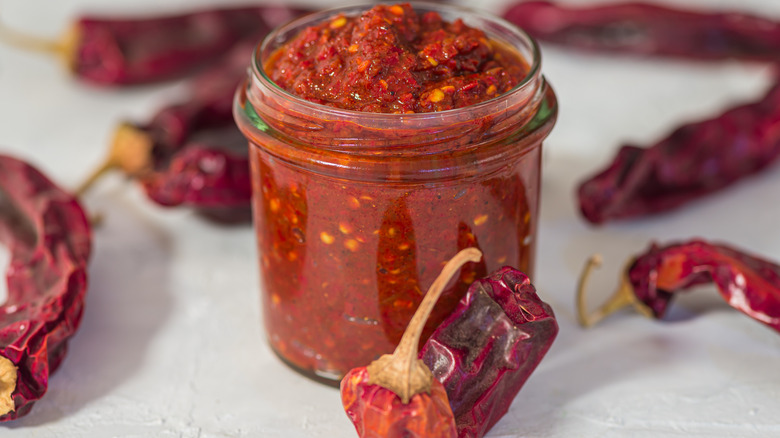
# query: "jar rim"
275,36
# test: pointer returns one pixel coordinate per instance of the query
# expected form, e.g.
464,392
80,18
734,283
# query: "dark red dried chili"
116,51
396,396
191,153
487,348
747,282
694,160
648,29
50,240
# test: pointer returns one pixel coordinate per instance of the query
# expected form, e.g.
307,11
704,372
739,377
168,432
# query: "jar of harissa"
356,211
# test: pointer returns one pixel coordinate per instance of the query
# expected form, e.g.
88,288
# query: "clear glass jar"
355,213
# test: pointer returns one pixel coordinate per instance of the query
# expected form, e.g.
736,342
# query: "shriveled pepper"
119,51
50,240
396,396
191,153
649,29
693,161
487,348
747,282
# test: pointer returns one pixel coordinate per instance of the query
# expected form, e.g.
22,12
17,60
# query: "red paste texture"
391,59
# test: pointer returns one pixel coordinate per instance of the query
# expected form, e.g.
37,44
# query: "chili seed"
432,61
353,203
274,204
345,228
481,219
396,9
436,95
327,238
353,48
352,245
491,89
338,22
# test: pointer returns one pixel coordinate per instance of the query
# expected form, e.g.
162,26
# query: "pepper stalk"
623,296
131,152
8,377
402,372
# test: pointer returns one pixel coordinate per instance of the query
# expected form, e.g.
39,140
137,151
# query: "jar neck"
296,129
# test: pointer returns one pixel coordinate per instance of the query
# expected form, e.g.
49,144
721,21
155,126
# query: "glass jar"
355,213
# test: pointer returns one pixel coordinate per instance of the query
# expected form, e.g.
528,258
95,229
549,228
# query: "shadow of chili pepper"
127,303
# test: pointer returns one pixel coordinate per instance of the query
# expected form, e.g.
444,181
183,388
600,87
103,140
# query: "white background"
171,342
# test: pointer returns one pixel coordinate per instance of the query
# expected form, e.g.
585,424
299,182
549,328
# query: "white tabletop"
171,343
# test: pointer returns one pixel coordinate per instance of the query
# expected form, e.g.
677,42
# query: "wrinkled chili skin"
126,51
377,412
748,283
50,240
200,158
648,29
396,61
354,211
693,161
487,348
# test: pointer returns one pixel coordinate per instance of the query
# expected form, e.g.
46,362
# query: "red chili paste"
347,250
392,60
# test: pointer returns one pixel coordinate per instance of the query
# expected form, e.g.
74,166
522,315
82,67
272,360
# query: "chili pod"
487,348
118,51
693,161
50,240
396,396
649,29
747,282
190,153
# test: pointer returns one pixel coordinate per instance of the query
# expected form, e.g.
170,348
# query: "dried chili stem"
402,372
65,47
623,297
8,376
130,152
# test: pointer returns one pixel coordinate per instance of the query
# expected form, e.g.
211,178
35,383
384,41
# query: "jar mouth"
495,27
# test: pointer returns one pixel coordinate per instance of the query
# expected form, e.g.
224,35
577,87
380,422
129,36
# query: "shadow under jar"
356,212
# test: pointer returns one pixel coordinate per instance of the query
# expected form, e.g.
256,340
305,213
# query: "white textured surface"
171,343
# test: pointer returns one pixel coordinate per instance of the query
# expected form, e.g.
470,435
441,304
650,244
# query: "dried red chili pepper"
748,283
117,51
191,153
648,29
694,160
396,396
487,348
50,240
